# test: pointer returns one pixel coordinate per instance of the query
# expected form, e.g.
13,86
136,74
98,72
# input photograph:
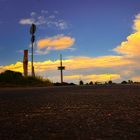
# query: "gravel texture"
110,112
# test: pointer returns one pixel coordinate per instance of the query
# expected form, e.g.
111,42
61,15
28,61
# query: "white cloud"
41,51
44,12
136,25
27,21
46,20
33,14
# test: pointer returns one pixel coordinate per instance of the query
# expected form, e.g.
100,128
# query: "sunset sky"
99,39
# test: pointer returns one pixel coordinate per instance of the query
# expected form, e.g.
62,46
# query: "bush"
110,82
15,78
123,82
11,77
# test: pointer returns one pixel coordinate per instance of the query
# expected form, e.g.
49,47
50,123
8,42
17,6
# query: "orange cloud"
18,67
132,45
58,42
137,78
78,64
94,77
97,62
75,63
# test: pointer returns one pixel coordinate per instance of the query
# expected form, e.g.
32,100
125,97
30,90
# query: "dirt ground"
70,113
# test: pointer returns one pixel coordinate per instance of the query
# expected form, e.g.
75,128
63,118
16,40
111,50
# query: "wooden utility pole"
25,63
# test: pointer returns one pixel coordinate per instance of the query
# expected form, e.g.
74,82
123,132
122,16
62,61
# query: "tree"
81,82
130,81
123,82
90,83
110,82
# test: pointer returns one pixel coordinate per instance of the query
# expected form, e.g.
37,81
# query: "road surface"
70,113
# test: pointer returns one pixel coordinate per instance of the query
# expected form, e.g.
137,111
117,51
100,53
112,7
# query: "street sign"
32,29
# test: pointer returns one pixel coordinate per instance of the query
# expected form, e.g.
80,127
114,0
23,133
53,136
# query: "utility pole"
61,68
32,32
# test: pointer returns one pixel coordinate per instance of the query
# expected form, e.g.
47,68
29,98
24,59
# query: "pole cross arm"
61,68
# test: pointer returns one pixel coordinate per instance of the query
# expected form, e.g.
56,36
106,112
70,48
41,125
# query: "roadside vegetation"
16,79
11,78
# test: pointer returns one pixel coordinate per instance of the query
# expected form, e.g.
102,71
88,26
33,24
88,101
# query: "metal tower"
61,68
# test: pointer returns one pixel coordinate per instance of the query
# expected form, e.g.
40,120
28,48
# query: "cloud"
97,62
117,67
1,69
33,14
93,77
18,67
137,78
132,44
27,21
58,42
136,25
44,12
45,20
78,65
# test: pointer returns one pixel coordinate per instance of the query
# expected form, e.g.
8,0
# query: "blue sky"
97,26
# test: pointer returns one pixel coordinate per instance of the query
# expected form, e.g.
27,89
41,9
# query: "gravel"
70,113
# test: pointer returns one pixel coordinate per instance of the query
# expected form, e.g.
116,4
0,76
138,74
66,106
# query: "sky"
99,39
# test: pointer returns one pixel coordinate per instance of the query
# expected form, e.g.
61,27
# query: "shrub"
15,78
123,82
110,82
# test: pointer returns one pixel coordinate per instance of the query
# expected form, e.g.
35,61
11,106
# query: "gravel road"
70,113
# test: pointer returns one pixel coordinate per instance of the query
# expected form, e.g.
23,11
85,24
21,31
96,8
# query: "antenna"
61,68
32,32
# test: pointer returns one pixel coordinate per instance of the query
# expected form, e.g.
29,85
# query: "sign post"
25,63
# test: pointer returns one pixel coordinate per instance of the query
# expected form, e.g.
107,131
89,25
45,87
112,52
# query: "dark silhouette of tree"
130,81
110,82
17,79
90,83
81,82
123,82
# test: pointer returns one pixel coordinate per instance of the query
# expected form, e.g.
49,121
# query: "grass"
11,78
